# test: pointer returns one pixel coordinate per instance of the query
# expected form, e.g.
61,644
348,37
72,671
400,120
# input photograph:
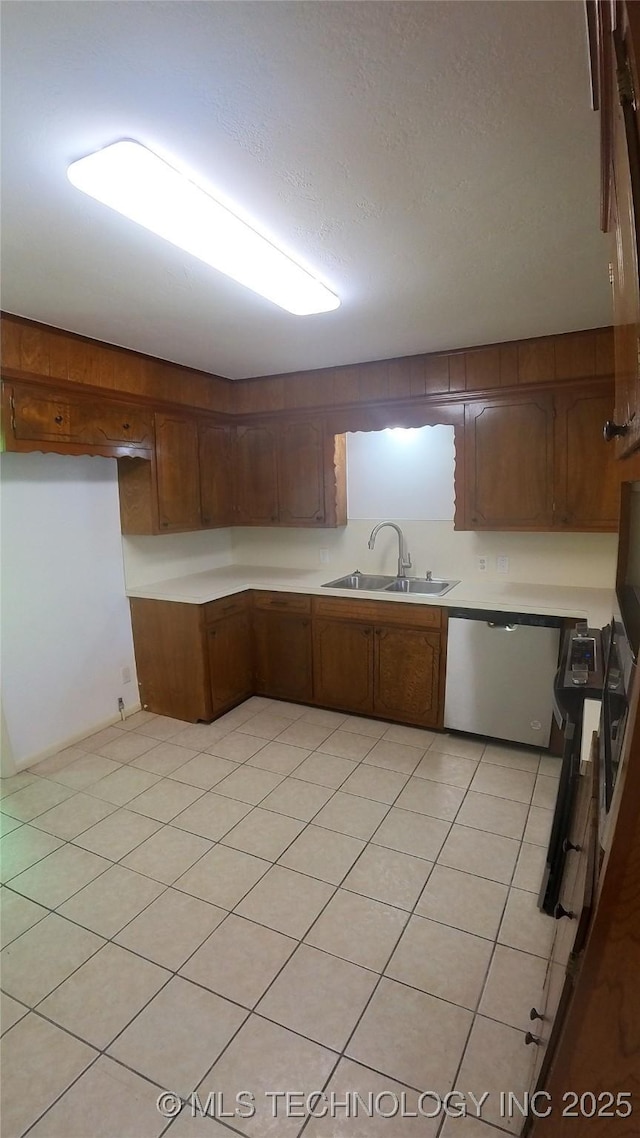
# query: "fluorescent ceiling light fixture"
137,183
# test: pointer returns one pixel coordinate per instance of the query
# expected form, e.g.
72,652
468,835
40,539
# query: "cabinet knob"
274,517
125,426
474,519
535,1014
319,517
366,632
567,845
560,912
612,430
164,523
58,419
529,1039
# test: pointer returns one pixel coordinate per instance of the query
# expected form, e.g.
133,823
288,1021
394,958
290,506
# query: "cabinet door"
230,664
256,489
407,676
587,487
216,486
343,665
114,424
509,463
282,647
301,474
624,225
177,477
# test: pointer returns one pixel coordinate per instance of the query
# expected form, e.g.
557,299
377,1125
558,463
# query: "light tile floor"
288,899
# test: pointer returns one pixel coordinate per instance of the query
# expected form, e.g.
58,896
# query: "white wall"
66,630
401,474
148,559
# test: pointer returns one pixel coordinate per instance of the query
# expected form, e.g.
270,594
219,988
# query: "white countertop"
594,605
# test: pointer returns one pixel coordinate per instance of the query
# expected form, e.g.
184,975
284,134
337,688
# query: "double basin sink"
431,587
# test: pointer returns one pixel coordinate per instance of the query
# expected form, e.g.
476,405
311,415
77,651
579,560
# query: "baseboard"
73,740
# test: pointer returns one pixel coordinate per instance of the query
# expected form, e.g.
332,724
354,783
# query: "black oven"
618,679
580,676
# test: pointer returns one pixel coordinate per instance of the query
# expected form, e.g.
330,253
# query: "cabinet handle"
612,430
560,912
58,419
529,1038
567,845
535,1014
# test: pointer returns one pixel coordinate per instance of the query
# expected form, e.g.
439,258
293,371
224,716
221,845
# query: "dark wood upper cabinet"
407,675
301,474
72,423
177,473
215,444
343,665
508,463
586,475
256,482
621,209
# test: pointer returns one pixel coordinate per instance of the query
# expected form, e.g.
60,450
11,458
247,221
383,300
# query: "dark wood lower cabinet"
343,665
230,661
169,643
282,655
198,661
407,675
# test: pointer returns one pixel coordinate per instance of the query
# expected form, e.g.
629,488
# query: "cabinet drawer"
114,424
40,417
282,602
228,606
378,612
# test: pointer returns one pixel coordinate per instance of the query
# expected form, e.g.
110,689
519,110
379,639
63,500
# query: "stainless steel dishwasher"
500,672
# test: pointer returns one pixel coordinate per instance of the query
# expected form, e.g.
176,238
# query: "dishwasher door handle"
504,627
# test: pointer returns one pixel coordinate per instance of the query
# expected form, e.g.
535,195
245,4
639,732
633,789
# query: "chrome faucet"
404,557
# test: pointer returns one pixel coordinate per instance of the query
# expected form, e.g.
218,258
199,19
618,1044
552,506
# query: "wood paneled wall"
547,359
36,350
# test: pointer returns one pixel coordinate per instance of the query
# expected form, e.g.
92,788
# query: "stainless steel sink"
359,580
432,587
429,587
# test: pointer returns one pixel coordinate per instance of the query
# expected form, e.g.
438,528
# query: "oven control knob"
567,845
560,911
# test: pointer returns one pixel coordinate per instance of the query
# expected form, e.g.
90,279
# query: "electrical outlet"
502,563
324,557
125,675
481,563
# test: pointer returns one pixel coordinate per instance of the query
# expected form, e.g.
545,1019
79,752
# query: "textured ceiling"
435,163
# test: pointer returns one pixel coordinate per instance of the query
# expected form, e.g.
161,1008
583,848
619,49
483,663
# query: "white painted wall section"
401,474
66,628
